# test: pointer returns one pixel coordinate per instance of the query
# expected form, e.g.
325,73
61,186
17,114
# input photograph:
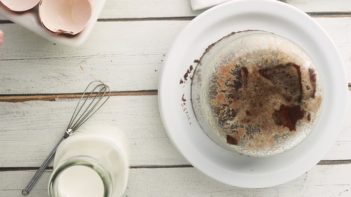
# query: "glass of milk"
93,162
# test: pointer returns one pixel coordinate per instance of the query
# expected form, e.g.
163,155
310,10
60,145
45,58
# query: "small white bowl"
30,20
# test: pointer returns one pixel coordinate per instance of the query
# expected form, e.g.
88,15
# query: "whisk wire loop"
89,103
93,98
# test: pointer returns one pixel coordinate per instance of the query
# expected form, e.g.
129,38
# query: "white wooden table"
39,82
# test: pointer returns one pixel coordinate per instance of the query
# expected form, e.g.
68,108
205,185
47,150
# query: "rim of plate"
314,147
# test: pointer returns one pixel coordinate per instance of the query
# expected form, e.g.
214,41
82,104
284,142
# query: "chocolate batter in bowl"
256,93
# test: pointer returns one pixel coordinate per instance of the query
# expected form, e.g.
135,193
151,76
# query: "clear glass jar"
255,93
92,162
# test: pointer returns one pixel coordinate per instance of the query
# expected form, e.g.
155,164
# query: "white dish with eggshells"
51,22
175,99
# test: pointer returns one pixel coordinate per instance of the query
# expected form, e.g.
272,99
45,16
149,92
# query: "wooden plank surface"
126,49
30,129
321,181
24,123
130,9
181,8
123,54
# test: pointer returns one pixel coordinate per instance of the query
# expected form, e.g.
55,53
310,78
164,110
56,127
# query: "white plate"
193,143
30,21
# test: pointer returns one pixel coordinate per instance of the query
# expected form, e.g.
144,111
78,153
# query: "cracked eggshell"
68,17
20,5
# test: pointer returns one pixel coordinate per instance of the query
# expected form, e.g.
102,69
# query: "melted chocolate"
287,78
288,116
263,97
231,140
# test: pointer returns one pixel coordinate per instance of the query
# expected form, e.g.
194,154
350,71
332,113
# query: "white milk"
100,145
79,181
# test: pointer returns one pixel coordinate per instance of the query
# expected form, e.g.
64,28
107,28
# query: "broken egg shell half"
68,17
20,5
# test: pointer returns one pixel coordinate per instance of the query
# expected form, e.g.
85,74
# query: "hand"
1,38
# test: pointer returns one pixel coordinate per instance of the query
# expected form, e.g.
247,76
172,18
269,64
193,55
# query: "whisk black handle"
41,170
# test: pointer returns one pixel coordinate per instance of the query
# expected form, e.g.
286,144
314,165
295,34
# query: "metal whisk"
94,97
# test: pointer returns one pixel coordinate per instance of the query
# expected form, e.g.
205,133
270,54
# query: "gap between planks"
312,14
55,97
3,169
322,162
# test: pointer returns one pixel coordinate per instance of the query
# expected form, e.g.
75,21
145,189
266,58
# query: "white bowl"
178,116
30,20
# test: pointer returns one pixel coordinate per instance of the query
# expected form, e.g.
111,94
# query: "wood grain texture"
321,181
126,50
54,97
179,8
122,54
127,55
30,129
